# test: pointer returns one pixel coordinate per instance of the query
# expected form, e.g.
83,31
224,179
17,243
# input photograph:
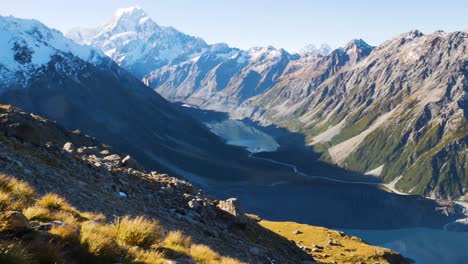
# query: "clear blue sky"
287,24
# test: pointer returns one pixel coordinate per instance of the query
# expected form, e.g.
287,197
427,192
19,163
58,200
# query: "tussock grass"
176,238
137,231
88,235
99,239
203,254
53,201
66,233
37,213
146,256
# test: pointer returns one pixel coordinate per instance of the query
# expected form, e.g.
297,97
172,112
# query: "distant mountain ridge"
396,111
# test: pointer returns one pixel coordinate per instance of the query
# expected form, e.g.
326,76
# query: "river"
358,208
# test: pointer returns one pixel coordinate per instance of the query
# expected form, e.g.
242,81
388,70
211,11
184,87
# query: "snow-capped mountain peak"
136,42
131,19
28,45
312,49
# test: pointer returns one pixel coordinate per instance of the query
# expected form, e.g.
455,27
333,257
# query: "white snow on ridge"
37,43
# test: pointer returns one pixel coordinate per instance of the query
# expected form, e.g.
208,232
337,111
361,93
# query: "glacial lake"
346,207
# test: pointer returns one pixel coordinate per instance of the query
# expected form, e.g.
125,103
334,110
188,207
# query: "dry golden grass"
5,201
38,213
137,231
176,238
92,216
138,255
126,238
66,233
99,239
349,249
66,217
53,201
230,261
203,254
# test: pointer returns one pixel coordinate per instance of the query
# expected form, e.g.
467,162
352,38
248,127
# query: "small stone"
113,157
68,147
297,232
122,194
104,152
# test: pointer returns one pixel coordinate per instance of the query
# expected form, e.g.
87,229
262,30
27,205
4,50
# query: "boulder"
14,221
232,207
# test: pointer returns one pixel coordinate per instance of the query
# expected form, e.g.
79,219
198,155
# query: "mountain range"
396,111
45,73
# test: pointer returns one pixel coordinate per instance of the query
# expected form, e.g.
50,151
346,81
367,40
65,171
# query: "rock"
129,162
231,206
122,194
113,157
24,132
297,232
104,152
14,221
47,226
254,251
193,204
68,147
88,150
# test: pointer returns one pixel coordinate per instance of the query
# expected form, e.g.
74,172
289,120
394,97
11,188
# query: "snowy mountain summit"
136,42
28,46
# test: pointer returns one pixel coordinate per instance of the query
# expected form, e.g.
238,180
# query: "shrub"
54,201
137,231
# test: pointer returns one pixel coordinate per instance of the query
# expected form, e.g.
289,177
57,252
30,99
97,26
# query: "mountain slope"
399,113
94,177
82,89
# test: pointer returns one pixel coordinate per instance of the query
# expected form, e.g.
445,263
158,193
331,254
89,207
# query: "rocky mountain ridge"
406,97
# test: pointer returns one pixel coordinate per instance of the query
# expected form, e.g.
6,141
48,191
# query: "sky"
290,24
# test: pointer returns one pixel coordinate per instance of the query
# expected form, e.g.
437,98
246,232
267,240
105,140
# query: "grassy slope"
85,237
345,249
